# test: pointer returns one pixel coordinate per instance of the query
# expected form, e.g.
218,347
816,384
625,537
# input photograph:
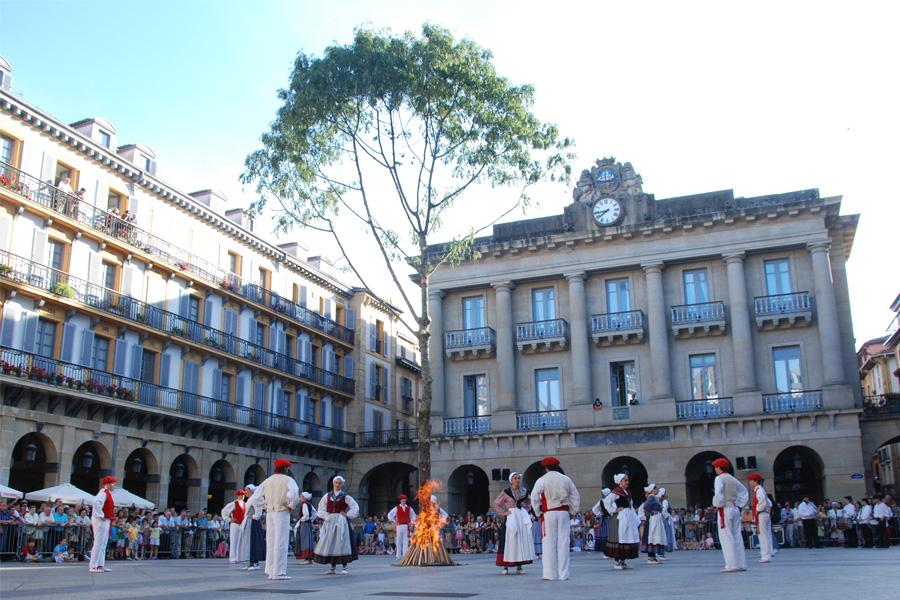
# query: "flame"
429,521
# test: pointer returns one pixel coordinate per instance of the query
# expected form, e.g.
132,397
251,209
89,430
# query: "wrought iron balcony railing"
81,380
539,330
711,408
792,402
535,421
391,437
609,322
707,312
782,304
96,296
112,225
464,338
467,425
881,405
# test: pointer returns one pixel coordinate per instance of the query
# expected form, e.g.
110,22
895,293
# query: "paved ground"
797,574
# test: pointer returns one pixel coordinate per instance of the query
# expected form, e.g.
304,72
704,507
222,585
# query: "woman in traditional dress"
669,523
602,523
623,542
304,544
516,547
335,538
653,540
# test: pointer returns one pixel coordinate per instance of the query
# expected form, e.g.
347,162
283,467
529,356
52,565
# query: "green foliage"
63,289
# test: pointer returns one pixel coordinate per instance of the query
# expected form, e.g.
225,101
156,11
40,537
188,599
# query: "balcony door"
543,304
475,396
473,312
696,286
778,277
618,298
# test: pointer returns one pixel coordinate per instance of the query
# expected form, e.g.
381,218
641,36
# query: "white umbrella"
8,492
125,499
66,492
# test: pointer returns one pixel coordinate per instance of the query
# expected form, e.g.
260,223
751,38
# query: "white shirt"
729,490
392,516
849,510
273,493
762,501
807,510
352,506
865,513
882,511
557,490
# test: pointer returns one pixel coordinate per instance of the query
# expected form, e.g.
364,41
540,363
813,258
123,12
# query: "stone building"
653,336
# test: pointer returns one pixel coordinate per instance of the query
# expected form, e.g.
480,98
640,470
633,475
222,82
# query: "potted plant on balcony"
177,331
61,288
91,385
5,270
11,185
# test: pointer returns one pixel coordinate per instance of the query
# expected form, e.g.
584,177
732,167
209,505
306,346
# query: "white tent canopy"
8,492
125,499
66,492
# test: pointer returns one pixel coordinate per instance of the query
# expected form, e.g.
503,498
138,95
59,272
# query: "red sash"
755,513
544,510
237,515
108,506
402,515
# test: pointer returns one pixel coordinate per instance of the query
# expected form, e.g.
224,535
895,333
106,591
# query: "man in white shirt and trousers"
762,517
730,497
102,512
278,495
402,516
554,499
234,513
808,513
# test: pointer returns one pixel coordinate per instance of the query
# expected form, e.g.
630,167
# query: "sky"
761,98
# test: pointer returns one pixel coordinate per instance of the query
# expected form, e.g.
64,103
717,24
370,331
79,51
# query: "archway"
468,490
380,487
254,475
313,485
636,471
221,478
885,464
140,468
89,464
31,458
798,473
534,472
699,479
182,476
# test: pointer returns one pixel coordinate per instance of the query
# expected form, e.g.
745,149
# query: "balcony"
542,336
467,425
792,402
81,382
783,311
712,408
618,328
540,421
883,405
694,320
408,364
178,259
467,344
17,269
387,439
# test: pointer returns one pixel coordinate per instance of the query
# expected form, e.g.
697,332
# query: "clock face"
608,211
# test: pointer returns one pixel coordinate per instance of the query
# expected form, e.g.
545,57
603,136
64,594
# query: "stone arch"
141,474
254,474
534,472
468,490
90,463
799,471
313,484
221,480
184,477
33,456
699,477
636,471
379,488
884,468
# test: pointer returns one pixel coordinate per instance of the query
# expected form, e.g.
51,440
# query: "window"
473,312
146,163
109,275
193,308
337,416
234,263
7,150
225,390
703,377
114,200
57,254
476,400
379,337
543,304
46,338
696,288
379,378
289,346
100,353
778,277
263,278
546,386
623,380
105,139
617,297
788,374
148,366
378,421
260,335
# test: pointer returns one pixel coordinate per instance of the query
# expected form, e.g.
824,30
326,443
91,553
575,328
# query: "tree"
419,120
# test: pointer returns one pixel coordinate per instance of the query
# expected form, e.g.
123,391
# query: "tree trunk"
423,419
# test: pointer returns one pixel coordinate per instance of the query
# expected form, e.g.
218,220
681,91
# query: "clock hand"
603,213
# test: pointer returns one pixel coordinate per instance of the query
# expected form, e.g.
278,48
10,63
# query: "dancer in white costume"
278,495
554,499
101,516
730,497
402,516
516,546
335,542
233,513
761,517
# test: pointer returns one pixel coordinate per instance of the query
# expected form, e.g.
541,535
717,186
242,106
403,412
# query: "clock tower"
608,195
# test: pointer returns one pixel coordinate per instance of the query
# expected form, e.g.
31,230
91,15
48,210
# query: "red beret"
722,463
240,493
282,462
403,496
550,460
754,477
109,479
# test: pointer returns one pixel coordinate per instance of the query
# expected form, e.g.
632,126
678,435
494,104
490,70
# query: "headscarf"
606,491
662,492
618,478
513,474
649,488
341,478
307,496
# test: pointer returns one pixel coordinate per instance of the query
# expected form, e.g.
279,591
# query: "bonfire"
426,548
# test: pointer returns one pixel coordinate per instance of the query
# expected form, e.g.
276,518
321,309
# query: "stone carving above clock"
607,177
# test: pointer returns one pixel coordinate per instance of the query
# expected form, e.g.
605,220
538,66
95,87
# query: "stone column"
659,331
436,354
826,316
505,408
838,257
578,331
741,339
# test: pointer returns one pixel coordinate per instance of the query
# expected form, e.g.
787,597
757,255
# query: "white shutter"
5,228
372,335
68,342
31,323
8,327
39,247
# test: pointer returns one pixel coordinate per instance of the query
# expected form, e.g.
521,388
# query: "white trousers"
731,540
556,545
764,532
278,528
101,538
234,543
402,539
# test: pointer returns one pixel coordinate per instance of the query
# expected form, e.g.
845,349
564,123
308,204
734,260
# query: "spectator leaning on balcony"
102,514
65,185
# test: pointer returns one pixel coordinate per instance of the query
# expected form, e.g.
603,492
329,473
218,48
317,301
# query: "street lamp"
87,460
136,465
30,452
798,462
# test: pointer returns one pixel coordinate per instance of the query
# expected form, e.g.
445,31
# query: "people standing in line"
603,516
253,537
336,544
624,541
653,540
762,517
402,516
729,498
304,543
277,495
516,547
233,513
102,512
554,499
808,514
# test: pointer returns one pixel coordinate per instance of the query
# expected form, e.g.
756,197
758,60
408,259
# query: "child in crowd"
710,542
155,532
61,552
144,539
30,552
113,536
132,549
